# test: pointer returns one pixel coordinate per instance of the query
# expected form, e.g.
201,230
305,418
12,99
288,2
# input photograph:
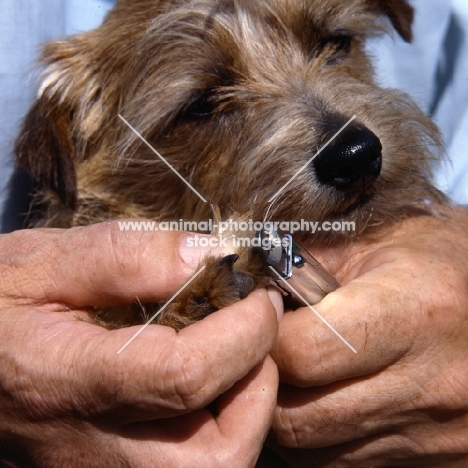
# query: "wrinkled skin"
67,399
402,400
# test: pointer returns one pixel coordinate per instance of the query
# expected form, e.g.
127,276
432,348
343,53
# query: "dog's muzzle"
352,161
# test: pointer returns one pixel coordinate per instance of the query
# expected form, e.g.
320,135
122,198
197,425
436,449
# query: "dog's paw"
222,282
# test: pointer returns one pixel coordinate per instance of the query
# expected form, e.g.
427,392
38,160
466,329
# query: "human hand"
402,400
67,399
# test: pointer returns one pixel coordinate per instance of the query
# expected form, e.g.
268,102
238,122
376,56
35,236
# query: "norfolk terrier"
238,97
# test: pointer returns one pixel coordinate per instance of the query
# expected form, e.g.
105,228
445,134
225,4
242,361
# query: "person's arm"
202,397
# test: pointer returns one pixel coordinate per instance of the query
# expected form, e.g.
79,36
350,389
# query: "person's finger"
200,362
246,410
376,313
415,390
310,353
159,373
342,412
99,264
232,436
415,446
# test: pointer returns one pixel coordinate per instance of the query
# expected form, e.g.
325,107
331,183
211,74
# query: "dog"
269,108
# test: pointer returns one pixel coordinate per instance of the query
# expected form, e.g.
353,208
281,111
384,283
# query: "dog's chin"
344,205
356,213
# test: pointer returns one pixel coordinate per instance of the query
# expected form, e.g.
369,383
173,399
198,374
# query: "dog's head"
239,97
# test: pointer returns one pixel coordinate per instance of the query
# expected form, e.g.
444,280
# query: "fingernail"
194,248
277,301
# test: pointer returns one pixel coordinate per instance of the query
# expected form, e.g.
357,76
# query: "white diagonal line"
161,158
161,309
311,159
315,311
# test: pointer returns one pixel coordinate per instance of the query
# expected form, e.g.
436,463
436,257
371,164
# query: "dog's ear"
400,13
52,136
45,148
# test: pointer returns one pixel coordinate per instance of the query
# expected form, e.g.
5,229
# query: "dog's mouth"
356,180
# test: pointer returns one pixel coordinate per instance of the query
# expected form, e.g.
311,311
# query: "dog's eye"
204,107
336,47
341,44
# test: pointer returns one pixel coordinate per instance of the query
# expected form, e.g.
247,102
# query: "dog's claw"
229,260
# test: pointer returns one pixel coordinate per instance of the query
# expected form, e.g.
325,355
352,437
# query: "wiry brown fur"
224,281
237,96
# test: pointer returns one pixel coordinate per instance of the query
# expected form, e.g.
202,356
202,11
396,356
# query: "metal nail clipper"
298,274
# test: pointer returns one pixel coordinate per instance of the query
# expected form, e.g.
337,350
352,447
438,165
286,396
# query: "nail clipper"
299,275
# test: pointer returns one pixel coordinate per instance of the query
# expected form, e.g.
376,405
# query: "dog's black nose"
352,161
